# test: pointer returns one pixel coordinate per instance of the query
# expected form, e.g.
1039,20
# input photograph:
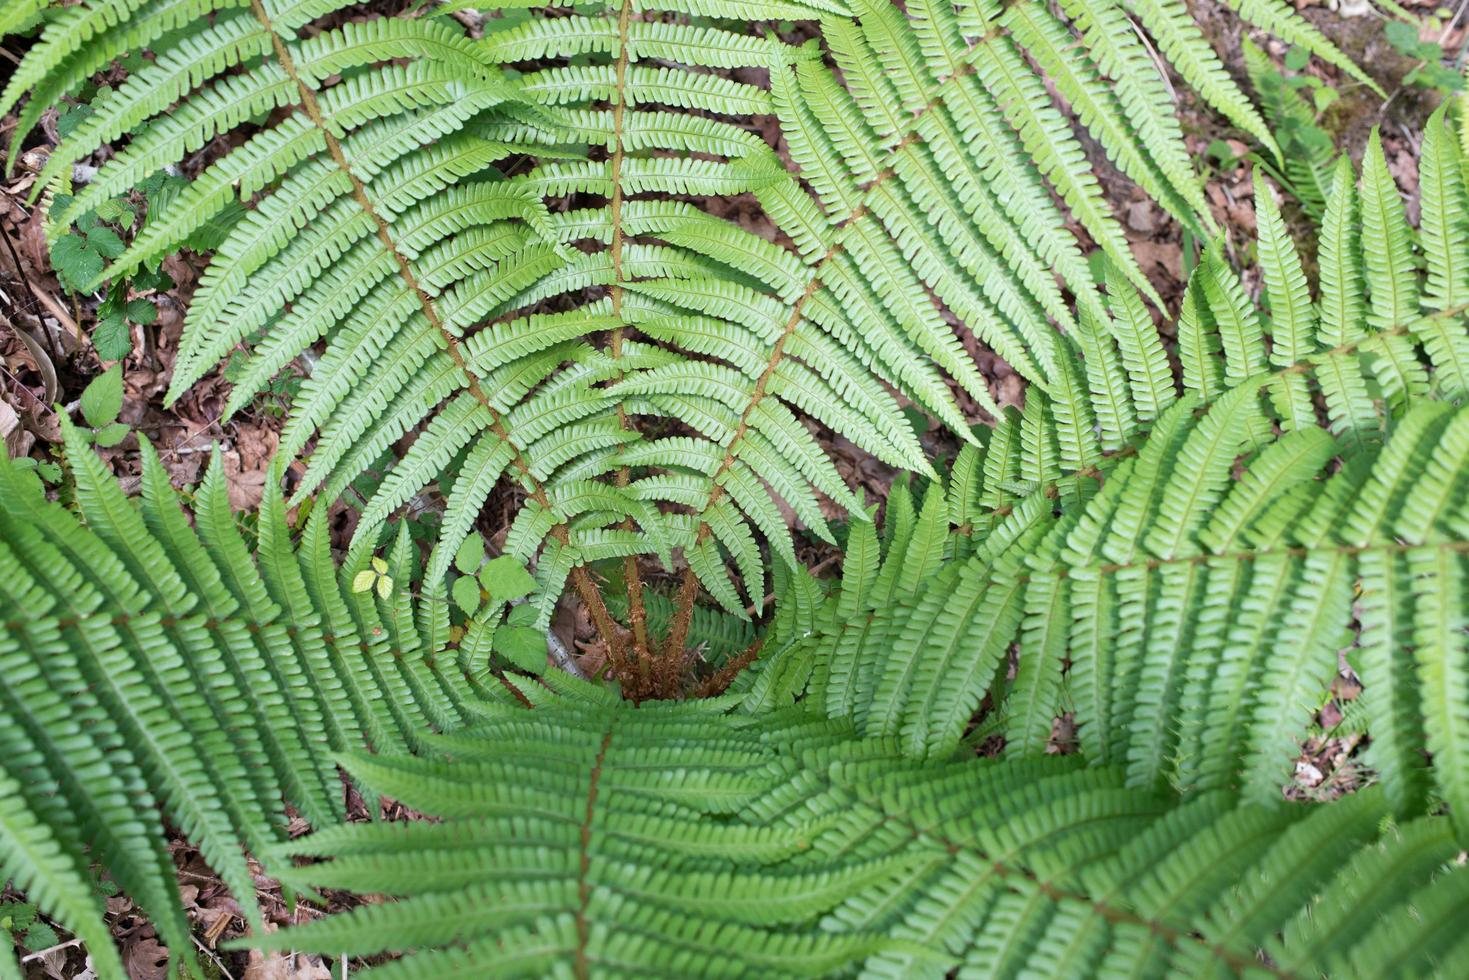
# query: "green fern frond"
157,667
1222,532
793,849
1190,615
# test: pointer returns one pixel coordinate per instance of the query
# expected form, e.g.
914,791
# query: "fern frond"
157,667
793,849
1201,611
1169,566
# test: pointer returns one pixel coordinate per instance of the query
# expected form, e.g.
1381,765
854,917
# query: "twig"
223,970
42,954
562,657
55,308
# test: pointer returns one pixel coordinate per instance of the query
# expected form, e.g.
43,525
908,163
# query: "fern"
548,345
1179,564
152,668
1187,595
787,847
591,837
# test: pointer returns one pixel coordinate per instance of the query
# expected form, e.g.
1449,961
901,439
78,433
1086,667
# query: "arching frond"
153,668
789,848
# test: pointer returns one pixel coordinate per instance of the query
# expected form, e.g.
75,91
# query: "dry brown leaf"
276,966
245,486
146,959
17,440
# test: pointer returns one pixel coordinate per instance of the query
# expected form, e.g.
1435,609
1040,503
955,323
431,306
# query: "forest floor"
48,356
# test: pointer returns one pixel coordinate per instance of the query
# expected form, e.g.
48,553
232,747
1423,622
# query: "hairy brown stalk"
717,684
637,615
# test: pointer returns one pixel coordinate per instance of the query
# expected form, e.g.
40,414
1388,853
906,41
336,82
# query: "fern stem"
683,610
636,614
584,586
584,861
725,676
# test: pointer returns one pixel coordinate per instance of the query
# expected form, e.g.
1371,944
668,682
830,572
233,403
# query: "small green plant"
1430,72
1294,103
22,925
486,592
273,399
78,256
101,403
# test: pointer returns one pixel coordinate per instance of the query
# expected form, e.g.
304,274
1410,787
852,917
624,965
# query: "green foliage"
714,635
1307,151
21,924
1430,72
1181,561
80,256
95,237
101,402
1186,595
586,838
638,366
1189,612
151,671
592,837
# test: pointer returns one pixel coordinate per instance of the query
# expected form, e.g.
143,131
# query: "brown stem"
717,684
607,628
683,612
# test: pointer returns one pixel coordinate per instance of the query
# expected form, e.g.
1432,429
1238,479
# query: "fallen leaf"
275,966
146,959
17,440
246,486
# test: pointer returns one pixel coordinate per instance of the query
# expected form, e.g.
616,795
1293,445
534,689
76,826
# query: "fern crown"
643,370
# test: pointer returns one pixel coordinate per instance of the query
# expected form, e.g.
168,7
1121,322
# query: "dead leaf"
42,360
275,966
17,440
246,486
1142,217
146,959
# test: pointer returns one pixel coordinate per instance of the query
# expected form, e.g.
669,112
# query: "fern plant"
583,835
639,367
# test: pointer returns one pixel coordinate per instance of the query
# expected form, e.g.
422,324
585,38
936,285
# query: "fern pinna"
639,367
